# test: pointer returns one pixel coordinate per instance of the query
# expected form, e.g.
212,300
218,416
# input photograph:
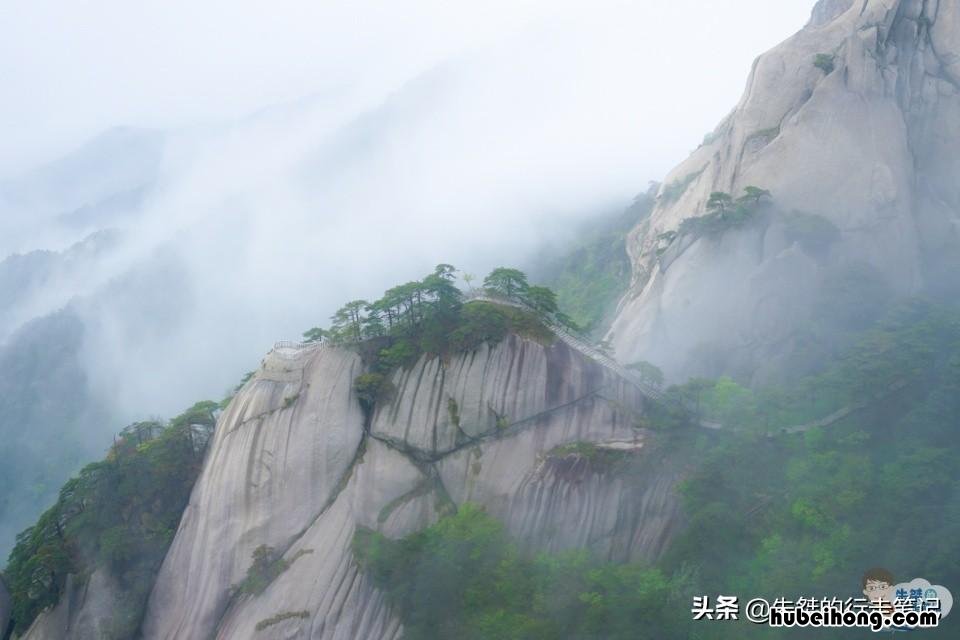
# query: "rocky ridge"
296,465
855,120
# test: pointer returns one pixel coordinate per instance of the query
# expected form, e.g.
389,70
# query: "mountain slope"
854,120
47,410
295,467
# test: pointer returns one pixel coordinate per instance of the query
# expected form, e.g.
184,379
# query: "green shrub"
264,567
369,387
527,324
117,515
600,459
453,411
464,577
675,189
402,353
725,213
280,617
266,564
824,62
714,224
480,322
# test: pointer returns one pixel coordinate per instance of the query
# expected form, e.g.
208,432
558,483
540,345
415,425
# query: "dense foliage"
902,350
50,420
464,578
808,513
592,274
429,316
431,310
770,513
118,515
771,510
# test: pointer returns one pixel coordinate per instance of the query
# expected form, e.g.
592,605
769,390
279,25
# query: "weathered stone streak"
280,450
294,465
85,611
870,146
440,404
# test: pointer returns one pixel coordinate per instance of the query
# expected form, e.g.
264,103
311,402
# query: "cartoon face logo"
877,585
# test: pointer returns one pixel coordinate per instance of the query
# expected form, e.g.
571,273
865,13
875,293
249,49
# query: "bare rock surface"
293,465
867,140
438,406
279,453
85,611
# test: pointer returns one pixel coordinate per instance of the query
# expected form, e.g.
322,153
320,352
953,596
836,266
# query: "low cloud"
469,138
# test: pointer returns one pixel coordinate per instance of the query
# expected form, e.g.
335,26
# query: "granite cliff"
297,465
851,124
854,121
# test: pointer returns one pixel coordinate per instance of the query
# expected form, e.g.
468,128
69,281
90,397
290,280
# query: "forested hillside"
769,513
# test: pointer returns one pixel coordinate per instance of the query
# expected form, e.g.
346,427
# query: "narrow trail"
288,349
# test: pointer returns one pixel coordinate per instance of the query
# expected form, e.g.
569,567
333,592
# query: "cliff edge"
297,465
853,123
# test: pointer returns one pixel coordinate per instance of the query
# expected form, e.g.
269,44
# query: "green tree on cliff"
506,281
719,202
753,194
542,299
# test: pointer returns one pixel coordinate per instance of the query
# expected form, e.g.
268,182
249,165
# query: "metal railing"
574,341
582,345
297,346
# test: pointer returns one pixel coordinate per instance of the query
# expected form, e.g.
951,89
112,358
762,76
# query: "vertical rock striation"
295,465
281,450
866,139
85,611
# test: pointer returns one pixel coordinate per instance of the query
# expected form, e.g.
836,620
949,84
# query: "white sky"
69,69
436,132
406,133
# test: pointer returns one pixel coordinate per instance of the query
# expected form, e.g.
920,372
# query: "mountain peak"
852,120
827,10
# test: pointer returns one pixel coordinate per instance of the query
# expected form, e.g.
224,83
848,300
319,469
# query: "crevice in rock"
334,494
429,457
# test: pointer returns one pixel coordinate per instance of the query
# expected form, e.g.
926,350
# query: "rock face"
279,454
865,139
85,611
295,465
